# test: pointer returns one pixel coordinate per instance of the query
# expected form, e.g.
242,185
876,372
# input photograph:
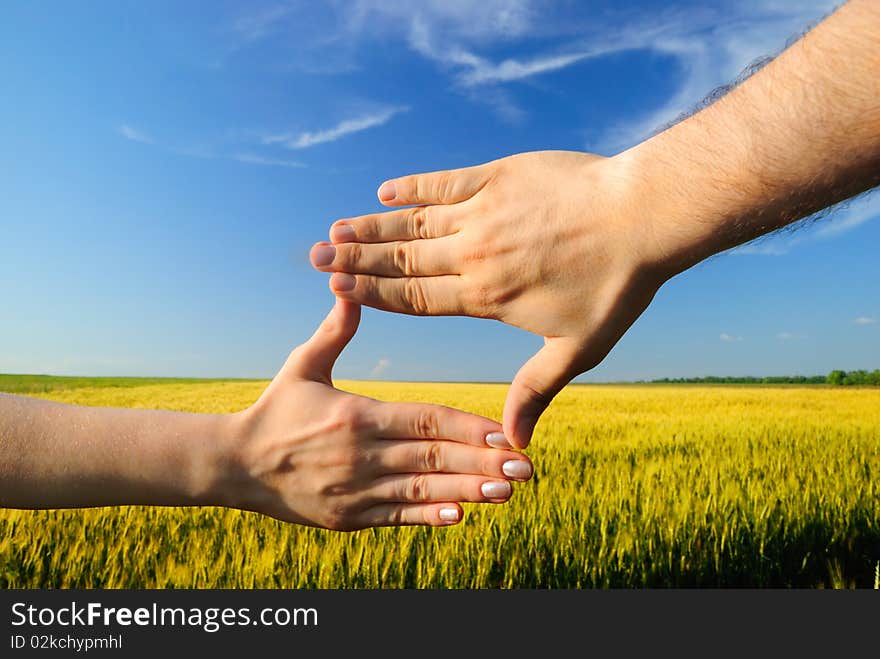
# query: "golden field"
649,485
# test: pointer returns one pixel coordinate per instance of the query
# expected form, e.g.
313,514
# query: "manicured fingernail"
498,440
323,255
449,514
342,233
342,282
496,490
517,469
387,191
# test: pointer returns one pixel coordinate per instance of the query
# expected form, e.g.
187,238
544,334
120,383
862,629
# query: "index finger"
425,421
444,187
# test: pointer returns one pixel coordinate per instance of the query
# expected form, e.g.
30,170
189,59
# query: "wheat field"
635,486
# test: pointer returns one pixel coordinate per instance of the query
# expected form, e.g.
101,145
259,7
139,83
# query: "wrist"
647,217
214,461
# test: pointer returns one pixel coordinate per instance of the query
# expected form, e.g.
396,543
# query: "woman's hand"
545,241
311,454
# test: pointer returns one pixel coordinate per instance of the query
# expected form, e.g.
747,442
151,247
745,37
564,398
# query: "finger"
417,296
409,258
314,359
426,421
427,488
421,222
409,514
535,385
445,187
440,456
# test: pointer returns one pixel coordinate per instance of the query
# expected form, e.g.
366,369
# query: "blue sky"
166,166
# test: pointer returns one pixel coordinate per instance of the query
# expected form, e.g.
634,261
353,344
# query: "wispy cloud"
865,320
380,367
261,22
790,336
710,43
135,135
729,338
346,127
253,159
473,70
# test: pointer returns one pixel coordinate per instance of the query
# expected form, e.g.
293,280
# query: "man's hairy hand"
542,241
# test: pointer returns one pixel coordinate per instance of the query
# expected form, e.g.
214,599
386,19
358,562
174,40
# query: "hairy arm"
801,134
573,246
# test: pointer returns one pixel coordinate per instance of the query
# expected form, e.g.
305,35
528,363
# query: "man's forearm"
801,134
54,455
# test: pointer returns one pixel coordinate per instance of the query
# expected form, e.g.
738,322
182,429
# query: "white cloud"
710,42
380,367
253,159
260,23
134,134
729,338
347,127
790,336
865,320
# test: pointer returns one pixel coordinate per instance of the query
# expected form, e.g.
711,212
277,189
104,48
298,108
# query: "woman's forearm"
54,455
801,134
304,452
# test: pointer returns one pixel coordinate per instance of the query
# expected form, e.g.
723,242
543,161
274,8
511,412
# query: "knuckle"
417,488
368,228
490,465
418,222
427,424
369,291
338,519
348,418
395,516
434,187
487,299
476,253
403,259
354,253
348,464
432,457
415,298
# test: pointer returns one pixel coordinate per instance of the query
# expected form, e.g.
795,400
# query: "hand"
547,241
311,454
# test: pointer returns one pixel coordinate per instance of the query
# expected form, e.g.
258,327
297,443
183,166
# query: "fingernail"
498,440
387,191
342,233
496,490
342,282
517,469
323,255
449,514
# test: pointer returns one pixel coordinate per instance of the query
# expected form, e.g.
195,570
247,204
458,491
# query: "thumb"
535,385
314,359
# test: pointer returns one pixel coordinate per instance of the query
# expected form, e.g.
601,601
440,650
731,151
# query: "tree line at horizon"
860,378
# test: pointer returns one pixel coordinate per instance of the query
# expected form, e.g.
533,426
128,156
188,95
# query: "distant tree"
836,378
